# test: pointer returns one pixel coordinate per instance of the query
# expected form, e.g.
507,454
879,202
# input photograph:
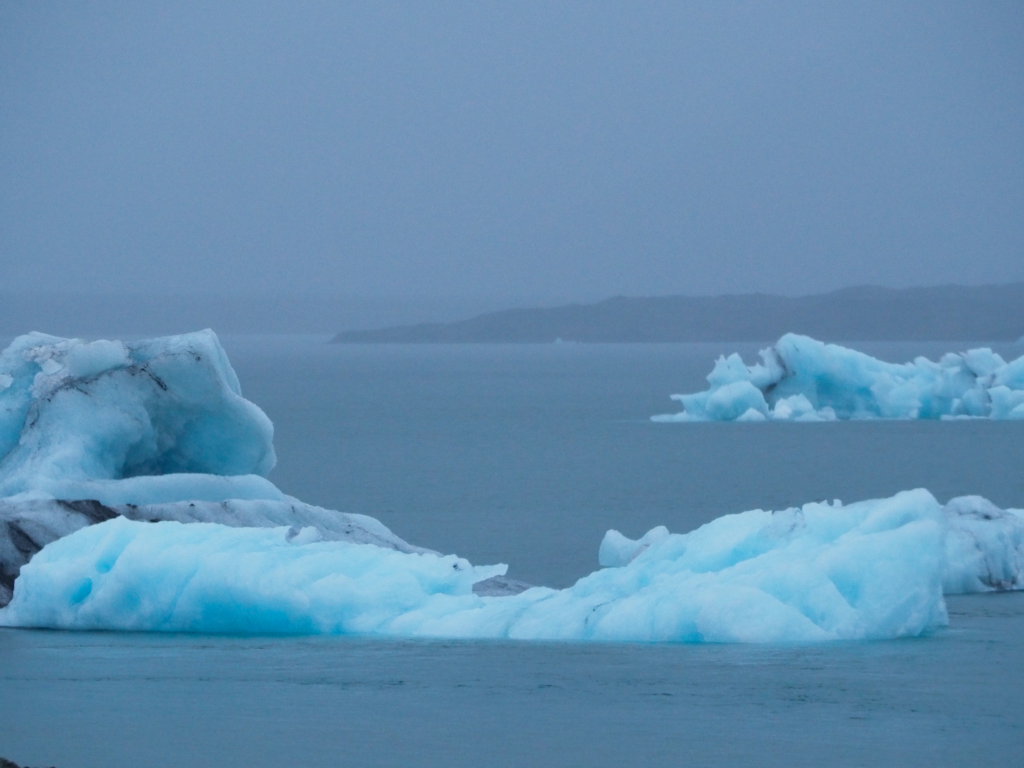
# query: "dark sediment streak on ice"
500,586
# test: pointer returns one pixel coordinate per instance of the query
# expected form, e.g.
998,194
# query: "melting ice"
133,499
801,379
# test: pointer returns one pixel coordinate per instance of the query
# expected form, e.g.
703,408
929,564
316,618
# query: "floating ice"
76,415
131,497
206,577
27,525
138,423
984,547
874,569
800,379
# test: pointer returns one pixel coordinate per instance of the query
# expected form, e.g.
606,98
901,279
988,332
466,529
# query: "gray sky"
513,149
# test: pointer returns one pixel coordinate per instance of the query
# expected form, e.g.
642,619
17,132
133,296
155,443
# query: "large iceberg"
132,497
875,569
801,379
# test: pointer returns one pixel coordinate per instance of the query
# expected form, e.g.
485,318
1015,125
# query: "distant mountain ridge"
865,313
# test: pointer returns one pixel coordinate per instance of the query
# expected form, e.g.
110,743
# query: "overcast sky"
514,149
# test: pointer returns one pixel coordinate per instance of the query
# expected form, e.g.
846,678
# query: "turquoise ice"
801,379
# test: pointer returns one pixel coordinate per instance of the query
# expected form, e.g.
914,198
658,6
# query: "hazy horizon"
520,154
86,313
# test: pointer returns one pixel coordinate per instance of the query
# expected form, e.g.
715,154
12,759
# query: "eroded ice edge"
801,379
134,499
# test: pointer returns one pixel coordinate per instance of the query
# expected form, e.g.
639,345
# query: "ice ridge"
801,379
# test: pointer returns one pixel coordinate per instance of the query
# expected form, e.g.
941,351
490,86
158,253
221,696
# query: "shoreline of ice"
132,497
805,380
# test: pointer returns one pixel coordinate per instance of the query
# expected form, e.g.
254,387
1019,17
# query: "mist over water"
117,314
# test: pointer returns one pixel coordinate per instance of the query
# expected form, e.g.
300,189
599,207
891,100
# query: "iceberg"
984,549
801,379
76,415
875,569
153,430
206,577
133,497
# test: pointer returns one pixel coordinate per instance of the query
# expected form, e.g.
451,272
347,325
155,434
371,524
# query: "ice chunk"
74,412
27,525
205,577
794,407
733,400
801,379
84,361
984,547
1005,402
872,569
752,414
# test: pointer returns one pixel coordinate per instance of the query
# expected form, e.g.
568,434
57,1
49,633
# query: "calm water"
526,455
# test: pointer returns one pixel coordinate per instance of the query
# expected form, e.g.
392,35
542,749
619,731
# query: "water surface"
97,700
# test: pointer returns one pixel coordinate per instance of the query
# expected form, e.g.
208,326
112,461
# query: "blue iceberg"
124,422
132,497
875,569
153,430
801,379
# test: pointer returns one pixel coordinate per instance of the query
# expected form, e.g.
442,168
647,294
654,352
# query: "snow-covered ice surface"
137,468
801,379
